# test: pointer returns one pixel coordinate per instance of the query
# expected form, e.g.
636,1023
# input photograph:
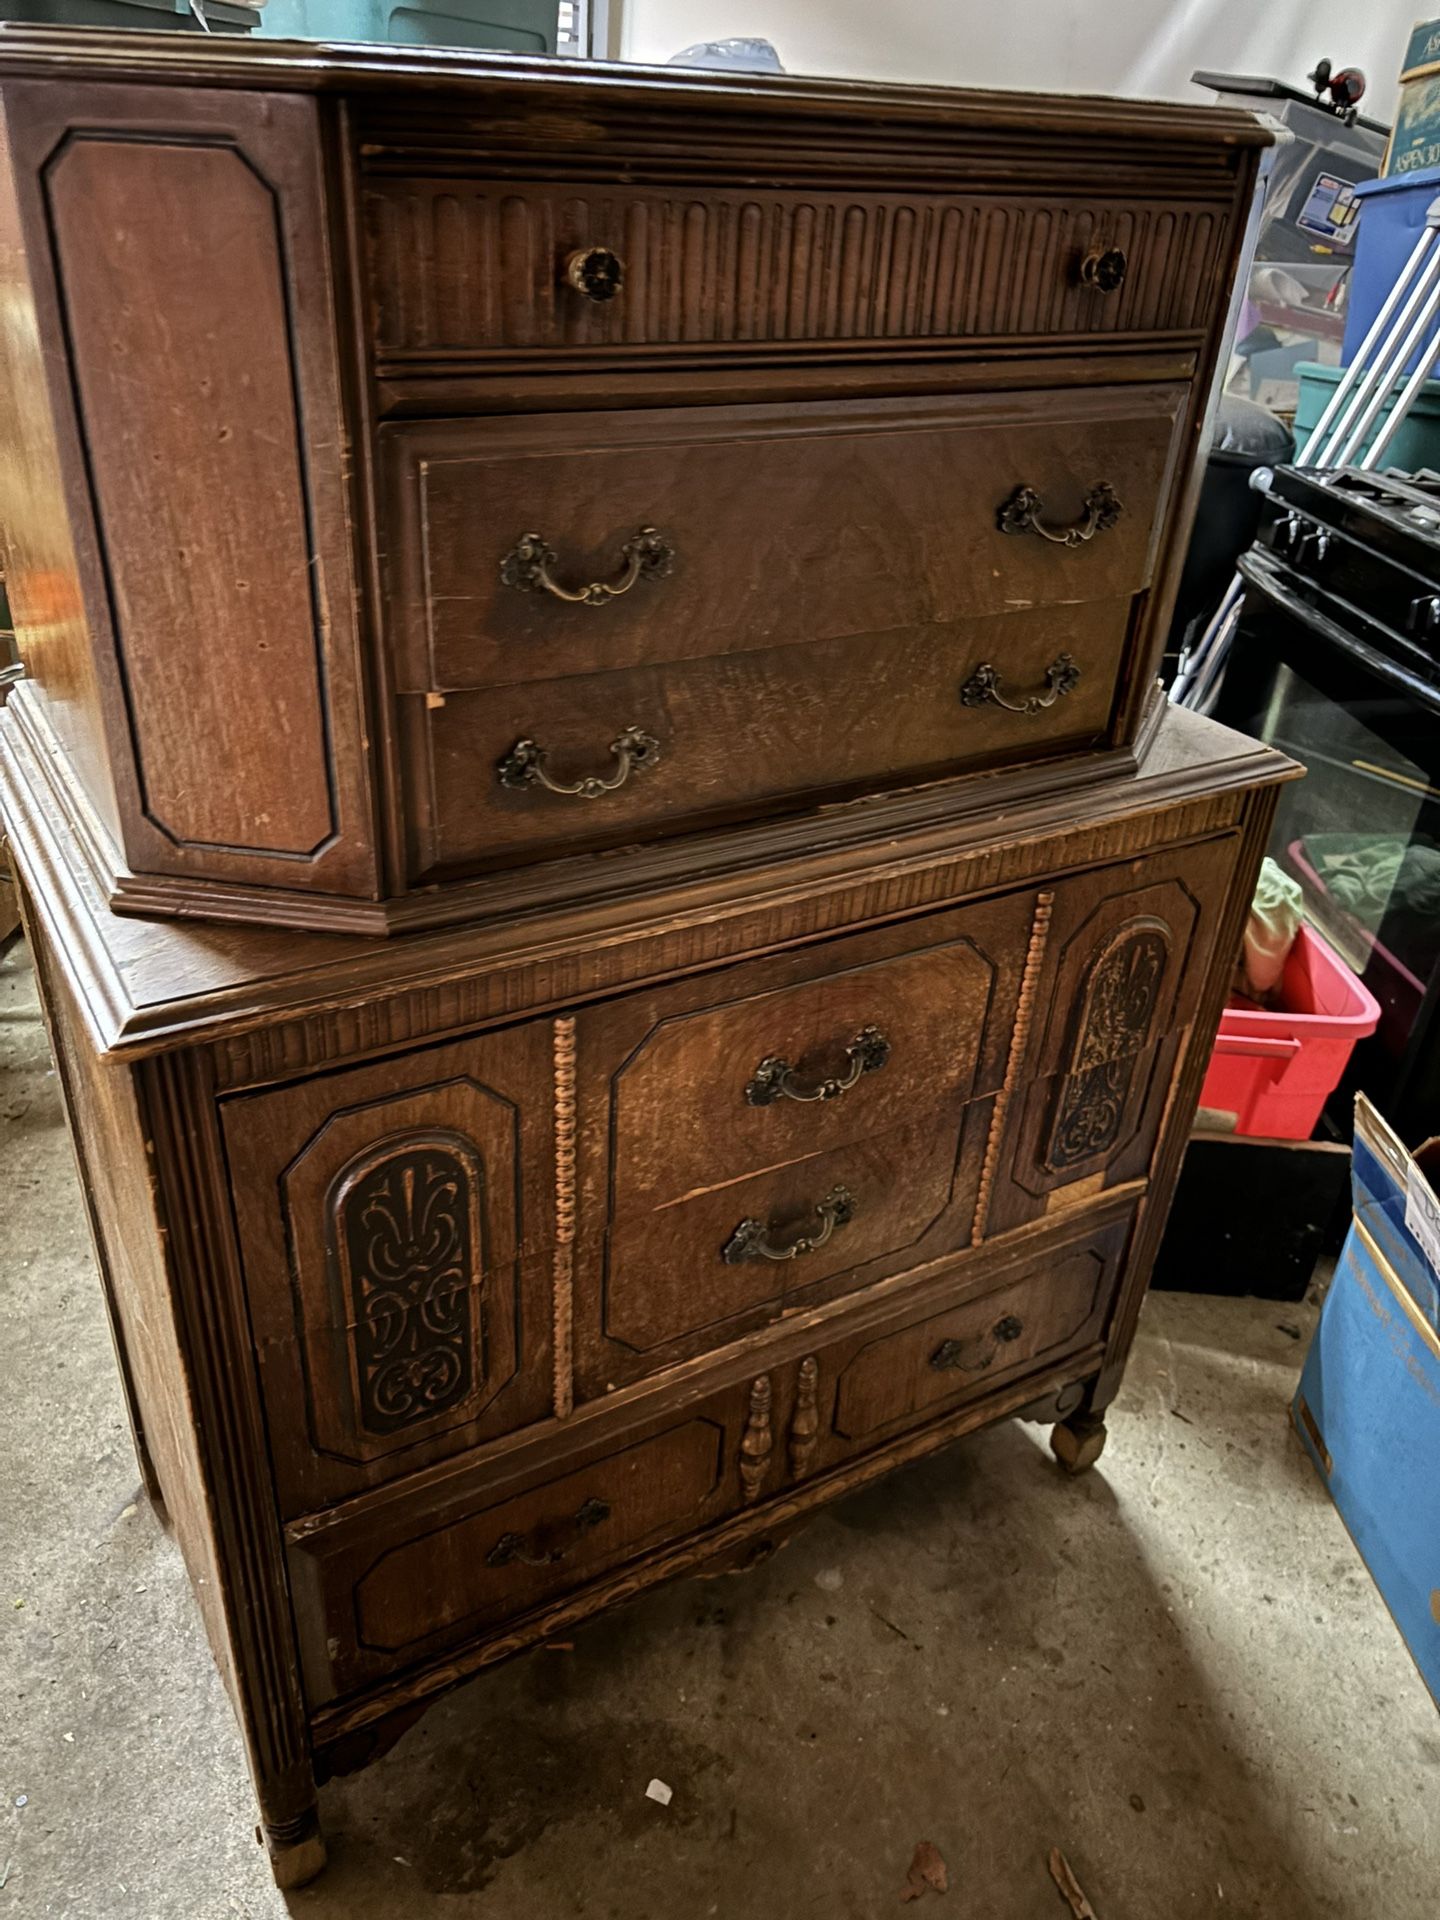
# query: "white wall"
1147,47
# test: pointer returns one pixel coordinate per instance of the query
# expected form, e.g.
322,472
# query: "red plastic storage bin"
1273,1069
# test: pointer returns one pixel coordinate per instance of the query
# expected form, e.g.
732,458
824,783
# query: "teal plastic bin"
160,16
1416,445
505,26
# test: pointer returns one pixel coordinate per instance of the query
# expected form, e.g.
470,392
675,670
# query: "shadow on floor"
975,1652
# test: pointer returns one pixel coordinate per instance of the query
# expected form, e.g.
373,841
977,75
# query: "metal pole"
1402,406
1415,316
1378,330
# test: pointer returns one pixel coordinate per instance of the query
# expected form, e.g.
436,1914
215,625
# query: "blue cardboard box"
1368,1406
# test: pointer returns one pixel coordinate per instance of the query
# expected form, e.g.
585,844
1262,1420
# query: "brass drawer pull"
983,687
949,1356
751,1239
531,1550
528,568
1104,269
526,766
595,272
1021,514
775,1079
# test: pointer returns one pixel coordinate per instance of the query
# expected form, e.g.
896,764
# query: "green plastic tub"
506,26
160,16
1416,445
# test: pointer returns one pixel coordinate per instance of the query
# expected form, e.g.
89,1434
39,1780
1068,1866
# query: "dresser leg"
296,1848
1078,1442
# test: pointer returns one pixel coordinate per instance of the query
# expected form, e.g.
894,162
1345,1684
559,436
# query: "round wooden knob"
595,272
1104,270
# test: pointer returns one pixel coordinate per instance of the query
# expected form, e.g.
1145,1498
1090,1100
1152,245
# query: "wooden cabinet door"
1127,953
393,1220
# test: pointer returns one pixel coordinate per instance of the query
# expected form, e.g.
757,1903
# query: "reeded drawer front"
407,1576
475,268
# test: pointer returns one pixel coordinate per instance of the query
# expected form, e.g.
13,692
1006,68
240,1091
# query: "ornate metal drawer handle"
596,272
529,1548
1021,514
751,1239
1104,269
1062,676
526,766
775,1079
949,1356
527,568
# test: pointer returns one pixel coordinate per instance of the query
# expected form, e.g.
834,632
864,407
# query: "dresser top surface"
452,74
147,985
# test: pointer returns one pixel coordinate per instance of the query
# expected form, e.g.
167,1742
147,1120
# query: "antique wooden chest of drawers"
468,1283
690,552
440,487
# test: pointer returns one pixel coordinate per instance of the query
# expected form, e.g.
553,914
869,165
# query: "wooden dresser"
686,555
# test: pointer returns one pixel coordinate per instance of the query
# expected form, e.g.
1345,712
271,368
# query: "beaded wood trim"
1024,1014
757,1441
805,1421
563,1264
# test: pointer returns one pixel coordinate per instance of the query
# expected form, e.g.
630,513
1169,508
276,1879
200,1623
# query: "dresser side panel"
181,272
41,571
147,1143
116,1173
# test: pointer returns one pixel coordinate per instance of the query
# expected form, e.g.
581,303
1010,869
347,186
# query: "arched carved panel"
1116,1024
406,1225
403,1235
399,1306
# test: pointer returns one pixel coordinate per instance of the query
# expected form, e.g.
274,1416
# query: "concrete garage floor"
1176,1669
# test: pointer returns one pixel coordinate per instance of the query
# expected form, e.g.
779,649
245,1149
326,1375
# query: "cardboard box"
1368,1406
1415,141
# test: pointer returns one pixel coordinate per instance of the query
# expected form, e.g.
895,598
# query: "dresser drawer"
808,556
697,1114
701,1273
868,1387
462,268
433,1563
518,773
687,1087
774,525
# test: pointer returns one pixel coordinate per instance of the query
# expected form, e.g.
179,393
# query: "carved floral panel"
1117,1015
407,1238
